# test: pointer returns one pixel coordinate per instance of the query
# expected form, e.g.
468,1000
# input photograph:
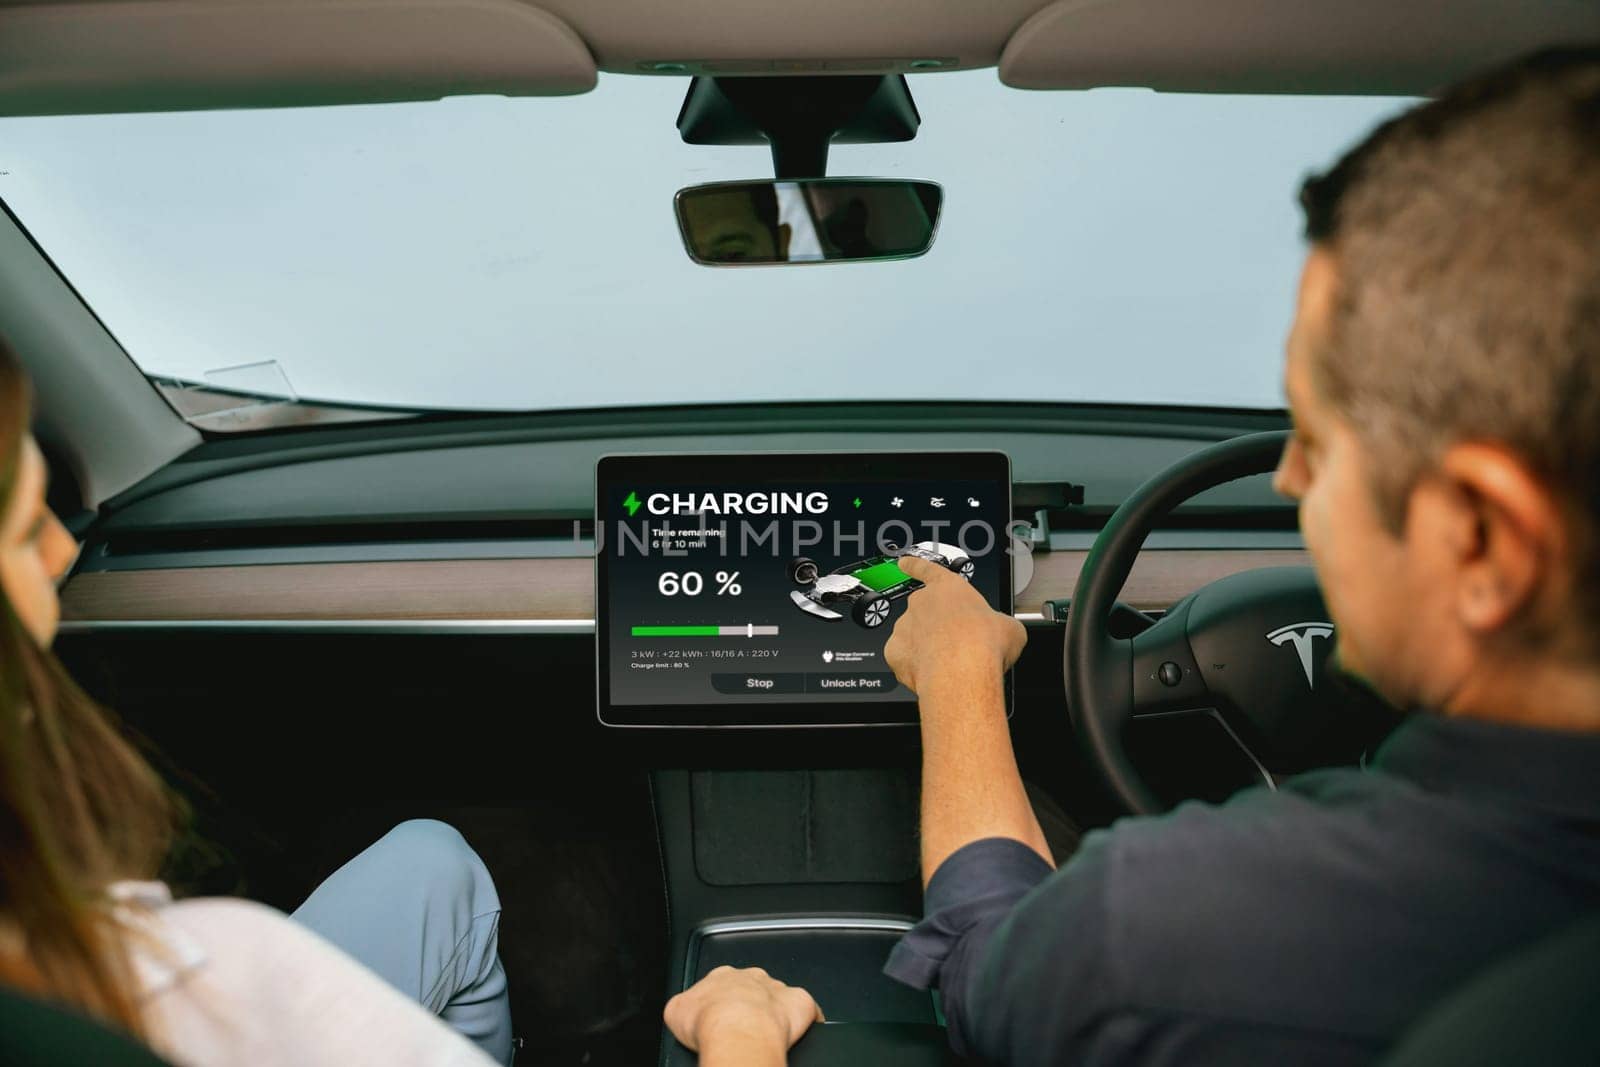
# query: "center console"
811,875
758,591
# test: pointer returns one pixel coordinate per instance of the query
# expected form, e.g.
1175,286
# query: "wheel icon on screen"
871,612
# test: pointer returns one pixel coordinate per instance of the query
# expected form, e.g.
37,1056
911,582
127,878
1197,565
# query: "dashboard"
445,529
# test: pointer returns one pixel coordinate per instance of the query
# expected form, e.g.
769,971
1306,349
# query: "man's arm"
953,650
982,848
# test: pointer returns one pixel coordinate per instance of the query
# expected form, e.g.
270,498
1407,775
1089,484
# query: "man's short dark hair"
1466,238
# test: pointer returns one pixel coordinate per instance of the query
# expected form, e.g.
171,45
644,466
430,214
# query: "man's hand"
743,1017
948,628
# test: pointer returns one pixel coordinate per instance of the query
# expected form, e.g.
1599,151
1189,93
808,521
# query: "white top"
227,982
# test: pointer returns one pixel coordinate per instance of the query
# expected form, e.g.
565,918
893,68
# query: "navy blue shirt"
1309,925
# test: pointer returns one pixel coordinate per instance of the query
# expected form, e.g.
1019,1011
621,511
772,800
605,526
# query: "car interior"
344,565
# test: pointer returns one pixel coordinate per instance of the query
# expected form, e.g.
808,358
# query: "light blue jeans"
419,909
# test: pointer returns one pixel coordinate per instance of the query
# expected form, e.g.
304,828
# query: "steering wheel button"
1171,674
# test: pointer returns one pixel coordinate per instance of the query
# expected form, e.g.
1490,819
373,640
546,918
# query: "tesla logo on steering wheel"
1303,634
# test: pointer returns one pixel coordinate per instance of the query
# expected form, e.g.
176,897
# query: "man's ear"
783,241
1504,531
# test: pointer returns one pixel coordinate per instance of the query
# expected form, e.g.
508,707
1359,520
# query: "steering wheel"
1248,649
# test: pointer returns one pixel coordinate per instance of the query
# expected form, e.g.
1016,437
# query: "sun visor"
178,55
1409,47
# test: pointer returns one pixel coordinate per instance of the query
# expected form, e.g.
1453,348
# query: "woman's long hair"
79,807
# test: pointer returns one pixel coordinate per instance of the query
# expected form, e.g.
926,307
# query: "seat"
37,1034
1538,1006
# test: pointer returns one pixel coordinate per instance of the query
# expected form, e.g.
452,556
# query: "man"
735,225
1443,373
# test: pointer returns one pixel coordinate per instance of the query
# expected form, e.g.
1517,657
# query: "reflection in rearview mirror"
812,220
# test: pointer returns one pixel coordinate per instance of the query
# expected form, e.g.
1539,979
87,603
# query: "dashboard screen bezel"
752,468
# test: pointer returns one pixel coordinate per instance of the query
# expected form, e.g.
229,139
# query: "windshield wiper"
225,409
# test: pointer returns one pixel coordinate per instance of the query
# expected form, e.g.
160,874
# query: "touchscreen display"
759,589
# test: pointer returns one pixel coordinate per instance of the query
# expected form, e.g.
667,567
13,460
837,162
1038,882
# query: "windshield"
485,253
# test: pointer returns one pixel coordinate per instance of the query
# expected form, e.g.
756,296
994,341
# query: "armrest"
873,1045
855,1045
879,1022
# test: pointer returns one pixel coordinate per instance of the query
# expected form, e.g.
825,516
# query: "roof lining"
88,56
168,55
1355,47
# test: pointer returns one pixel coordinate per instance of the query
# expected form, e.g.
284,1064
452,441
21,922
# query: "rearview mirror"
809,220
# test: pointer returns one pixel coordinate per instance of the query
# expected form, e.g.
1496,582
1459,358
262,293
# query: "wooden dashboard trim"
557,590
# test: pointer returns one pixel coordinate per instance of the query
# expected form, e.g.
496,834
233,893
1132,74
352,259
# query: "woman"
85,824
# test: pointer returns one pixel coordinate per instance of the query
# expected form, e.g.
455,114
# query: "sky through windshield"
489,253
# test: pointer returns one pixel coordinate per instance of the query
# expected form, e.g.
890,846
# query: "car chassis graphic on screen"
867,588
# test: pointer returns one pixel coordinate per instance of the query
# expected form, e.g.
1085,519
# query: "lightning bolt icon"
631,503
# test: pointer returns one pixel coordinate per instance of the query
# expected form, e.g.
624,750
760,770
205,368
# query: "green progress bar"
743,630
